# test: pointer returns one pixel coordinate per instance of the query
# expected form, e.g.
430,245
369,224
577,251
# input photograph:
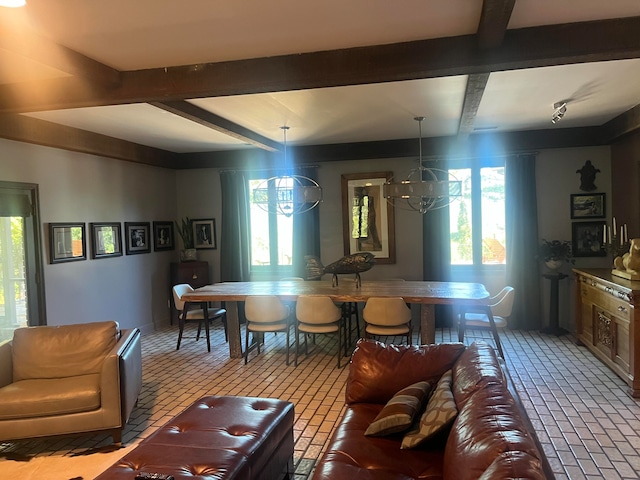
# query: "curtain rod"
473,157
269,169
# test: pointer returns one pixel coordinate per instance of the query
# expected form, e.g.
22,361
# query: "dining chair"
318,315
387,316
265,313
196,314
492,316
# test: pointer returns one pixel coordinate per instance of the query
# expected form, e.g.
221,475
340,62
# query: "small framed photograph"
67,242
204,233
137,237
106,240
163,238
587,239
588,206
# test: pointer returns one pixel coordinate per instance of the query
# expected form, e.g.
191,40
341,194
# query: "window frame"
476,165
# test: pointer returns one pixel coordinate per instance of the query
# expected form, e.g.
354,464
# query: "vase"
553,265
188,255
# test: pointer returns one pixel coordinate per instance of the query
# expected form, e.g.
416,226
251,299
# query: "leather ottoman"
216,438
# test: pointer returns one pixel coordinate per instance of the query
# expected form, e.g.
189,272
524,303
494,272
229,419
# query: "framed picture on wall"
163,238
67,242
587,239
137,237
106,240
588,206
367,218
204,233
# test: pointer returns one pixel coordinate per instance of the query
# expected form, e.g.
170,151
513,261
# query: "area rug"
77,465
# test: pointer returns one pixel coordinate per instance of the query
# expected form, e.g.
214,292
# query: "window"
271,234
477,220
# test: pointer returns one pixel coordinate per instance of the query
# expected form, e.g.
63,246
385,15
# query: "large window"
477,220
271,234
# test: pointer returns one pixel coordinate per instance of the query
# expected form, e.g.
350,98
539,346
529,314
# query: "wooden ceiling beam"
27,44
523,48
621,125
215,122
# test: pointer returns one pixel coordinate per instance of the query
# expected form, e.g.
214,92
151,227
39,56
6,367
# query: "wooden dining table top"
346,291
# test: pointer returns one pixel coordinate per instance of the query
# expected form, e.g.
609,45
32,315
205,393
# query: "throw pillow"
399,412
440,412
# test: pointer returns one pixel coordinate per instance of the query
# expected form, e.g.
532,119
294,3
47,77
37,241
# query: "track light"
560,110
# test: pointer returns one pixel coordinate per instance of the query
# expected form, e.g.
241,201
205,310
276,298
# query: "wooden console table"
608,322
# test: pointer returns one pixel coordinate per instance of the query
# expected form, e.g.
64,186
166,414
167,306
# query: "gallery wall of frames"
68,241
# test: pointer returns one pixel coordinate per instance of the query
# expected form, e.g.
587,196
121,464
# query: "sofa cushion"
350,455
46,397
378,370
399,412
62,351
488,425
440,412
477,367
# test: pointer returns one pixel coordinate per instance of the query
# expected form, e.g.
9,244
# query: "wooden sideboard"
608,322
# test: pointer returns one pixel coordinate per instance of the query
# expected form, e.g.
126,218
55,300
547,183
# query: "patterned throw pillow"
399,412
440,412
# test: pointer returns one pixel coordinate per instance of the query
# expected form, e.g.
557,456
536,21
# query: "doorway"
21,288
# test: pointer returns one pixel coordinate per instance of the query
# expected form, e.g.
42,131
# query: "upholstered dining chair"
265,313
193,314
318,315
387,316
492,316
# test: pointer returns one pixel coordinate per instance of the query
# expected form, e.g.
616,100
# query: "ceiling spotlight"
560,110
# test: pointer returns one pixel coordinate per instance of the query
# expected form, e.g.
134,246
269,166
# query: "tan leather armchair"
69,379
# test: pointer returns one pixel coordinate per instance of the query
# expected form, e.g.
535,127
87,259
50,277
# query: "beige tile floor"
588,425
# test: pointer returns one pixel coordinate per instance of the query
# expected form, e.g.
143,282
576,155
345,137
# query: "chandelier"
424,189
287,194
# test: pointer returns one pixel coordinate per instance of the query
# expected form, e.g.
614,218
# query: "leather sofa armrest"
6,364
130,364
118,369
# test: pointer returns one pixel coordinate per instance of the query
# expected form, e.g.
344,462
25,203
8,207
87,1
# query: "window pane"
460,221
493,216
259,228
285,240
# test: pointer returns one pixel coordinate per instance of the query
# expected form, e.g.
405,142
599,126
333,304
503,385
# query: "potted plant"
555,252
185,230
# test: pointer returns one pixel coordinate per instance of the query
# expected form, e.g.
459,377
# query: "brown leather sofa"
69,379
491,437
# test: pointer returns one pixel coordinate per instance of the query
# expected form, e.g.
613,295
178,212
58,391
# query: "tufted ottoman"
215,438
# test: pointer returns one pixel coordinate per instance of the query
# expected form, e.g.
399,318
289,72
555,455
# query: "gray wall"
133,289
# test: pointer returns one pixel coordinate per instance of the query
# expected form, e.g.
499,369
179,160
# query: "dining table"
425,293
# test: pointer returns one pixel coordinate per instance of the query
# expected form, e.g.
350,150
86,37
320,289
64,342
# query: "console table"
608,322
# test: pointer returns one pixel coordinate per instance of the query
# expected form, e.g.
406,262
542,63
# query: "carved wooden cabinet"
195,274
608,322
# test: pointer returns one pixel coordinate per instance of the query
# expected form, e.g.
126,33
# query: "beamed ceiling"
204,84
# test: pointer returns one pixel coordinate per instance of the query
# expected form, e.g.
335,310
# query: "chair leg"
246,345
494,330
181,329
297,333
288,344
461,325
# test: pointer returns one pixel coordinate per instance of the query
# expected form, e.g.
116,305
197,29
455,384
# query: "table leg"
427,323
233,330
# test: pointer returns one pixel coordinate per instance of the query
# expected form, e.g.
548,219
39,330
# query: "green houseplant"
185,230
555,252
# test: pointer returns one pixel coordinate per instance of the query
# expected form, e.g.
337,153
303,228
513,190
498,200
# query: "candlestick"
614,224
604,234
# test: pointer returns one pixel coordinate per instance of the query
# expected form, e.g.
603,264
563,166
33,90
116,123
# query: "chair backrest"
178,292
317,310
386,311
504,305
265,308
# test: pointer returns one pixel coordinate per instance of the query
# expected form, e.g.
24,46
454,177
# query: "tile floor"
587,424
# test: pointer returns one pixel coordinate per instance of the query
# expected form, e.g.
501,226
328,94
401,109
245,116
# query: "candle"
626,237
614,225
604,234
621,235
610,237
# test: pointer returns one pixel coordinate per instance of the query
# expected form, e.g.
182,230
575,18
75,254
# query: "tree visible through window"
477,220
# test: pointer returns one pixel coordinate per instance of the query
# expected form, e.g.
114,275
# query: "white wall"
557,179
75,187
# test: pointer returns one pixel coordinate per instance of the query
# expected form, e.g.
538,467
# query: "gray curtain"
522,240
306,231
235,244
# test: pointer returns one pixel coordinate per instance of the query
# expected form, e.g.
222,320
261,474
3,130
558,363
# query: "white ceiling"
142,34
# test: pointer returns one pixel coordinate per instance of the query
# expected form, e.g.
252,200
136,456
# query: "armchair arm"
121,377
6,364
